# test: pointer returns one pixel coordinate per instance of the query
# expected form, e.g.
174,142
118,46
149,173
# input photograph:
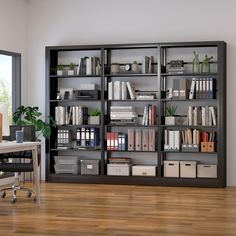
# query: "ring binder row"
196,88
136,140
85,138
189,140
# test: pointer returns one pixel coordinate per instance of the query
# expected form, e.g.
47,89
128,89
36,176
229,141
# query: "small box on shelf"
143,170
119,169
206,171
171,169
188,169
207,146
90,167
190,148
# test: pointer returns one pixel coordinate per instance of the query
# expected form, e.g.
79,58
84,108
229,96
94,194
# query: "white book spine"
117,90
191,95
110,90
131,91
123,90
203,116
190,115
213,114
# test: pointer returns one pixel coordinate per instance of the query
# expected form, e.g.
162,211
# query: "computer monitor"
29,132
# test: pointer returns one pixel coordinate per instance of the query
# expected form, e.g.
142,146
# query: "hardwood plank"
81,209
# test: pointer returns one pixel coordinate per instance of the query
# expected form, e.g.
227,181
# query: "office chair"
17,165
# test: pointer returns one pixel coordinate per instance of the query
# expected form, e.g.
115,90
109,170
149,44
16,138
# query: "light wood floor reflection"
79,209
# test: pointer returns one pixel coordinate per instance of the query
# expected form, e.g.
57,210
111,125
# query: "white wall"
13,28
60,22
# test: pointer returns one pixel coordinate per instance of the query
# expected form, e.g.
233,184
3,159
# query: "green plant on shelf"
171,110
60,67
72,66
95,112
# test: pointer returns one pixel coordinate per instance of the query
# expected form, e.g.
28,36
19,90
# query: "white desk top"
6,147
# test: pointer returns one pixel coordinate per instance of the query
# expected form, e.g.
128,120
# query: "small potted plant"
94,117
134,67
60,69
170,115
71,70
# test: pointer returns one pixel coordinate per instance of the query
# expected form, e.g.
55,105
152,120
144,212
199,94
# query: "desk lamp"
4,123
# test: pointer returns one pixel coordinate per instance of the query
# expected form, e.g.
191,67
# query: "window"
10,76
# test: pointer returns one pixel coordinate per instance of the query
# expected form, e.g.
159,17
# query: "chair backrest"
29,132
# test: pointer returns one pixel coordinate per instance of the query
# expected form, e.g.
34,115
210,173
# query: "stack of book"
89,66
123,114
63,138
148,65
172,140
175,67
116,141
120,160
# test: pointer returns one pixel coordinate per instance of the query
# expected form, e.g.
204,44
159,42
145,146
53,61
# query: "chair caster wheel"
3,195
29,194
13,200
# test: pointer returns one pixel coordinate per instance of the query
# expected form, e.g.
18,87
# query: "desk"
7,147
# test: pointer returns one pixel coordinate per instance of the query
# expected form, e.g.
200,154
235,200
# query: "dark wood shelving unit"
161,53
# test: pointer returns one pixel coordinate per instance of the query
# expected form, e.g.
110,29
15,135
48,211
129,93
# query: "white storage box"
171,168
206,171
142,170
118,169
72,160
66,169
188,169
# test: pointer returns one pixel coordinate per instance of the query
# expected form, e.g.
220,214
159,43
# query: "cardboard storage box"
188,169
171,168
89,167
143,170
206,171
118,169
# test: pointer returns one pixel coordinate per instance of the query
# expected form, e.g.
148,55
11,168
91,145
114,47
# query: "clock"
127,67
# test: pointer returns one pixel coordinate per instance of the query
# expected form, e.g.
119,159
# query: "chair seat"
16,167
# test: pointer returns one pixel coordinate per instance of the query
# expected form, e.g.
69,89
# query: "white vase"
60,72
71,72
94,120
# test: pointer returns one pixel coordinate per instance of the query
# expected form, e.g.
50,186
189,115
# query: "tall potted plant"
27,115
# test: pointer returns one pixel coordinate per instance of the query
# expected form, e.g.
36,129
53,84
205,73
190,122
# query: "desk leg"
36,174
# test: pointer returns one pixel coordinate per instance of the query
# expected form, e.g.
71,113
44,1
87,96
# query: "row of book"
119,160
148,65
175,138
202,88
197,88
136,140
205,115
149,115
75,115
121,90
89,66
87,137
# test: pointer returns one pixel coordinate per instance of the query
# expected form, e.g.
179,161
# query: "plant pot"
94,120
60,72
71,72
176,120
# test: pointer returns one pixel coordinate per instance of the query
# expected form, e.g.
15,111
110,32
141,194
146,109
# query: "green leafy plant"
31,116
60,67
170,110
72,66
207,59
135,62
95,112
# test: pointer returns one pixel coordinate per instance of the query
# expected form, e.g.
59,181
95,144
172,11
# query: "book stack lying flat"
123,114
120,160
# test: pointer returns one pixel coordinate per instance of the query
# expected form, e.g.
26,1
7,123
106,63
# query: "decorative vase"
134,67
115,68
60,72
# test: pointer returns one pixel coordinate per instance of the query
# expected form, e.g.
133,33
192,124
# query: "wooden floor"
74,209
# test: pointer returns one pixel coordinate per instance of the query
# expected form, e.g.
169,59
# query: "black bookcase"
156,81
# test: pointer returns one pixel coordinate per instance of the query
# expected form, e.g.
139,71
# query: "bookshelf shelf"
154,58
